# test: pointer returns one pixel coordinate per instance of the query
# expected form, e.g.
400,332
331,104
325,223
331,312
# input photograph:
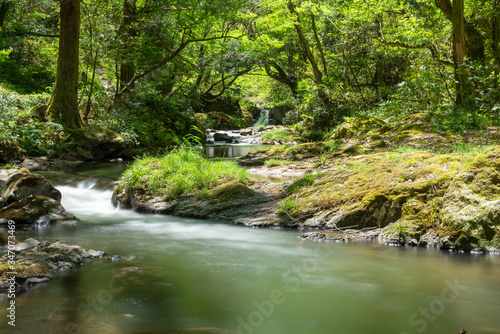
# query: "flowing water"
183,273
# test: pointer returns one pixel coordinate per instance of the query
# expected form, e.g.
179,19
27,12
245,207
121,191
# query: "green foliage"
287,206
181,171
20,125
276,134
303,182
314,135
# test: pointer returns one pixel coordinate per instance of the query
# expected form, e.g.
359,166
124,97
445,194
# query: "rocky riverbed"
34,262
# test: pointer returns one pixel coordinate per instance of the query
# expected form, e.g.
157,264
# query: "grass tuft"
181,171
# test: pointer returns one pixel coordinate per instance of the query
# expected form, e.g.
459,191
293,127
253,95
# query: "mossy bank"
415,185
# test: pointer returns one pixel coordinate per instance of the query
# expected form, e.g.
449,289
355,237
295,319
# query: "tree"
63,104
459,51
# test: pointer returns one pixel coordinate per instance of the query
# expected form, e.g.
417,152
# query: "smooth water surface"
182,273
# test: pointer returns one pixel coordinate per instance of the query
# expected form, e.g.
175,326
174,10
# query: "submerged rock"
38,262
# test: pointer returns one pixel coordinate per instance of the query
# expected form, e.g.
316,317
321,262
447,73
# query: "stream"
176,273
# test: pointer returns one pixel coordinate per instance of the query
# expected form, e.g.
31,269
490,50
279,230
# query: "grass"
303,182
276,134
287,206
276,162
181,171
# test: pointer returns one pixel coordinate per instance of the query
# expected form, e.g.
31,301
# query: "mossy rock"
35,209
231,190
471,207
10,151
359,126
98,143
22,185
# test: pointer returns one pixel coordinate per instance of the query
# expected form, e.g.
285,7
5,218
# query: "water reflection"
231,151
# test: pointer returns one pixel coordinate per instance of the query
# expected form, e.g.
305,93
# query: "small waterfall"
263,118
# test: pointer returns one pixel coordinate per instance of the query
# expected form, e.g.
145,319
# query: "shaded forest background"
152,69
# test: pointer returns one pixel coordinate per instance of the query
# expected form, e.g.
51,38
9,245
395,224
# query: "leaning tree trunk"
459,50
63,104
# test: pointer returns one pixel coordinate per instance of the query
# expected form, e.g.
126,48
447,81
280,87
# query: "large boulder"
222,136
471,205
5,175
253,111
97,143
360,125
35,209
10,151
22,185
277,114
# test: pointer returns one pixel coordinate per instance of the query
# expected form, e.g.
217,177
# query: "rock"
97,143
41,262
246,132
278,113
35,209
471,210
22,185
222,136
360,124
28,243
253,111
6,174
10,151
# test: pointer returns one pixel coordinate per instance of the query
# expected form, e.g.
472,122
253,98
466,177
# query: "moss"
231,190
25,270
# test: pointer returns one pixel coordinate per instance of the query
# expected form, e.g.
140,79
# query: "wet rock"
10,151
35,209
222,136
43,261
22,185
246,132
251,205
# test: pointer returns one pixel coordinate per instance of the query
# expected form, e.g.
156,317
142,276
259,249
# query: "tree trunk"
318,75
4,8
281,76
63,104
459,51
473,38
127,67
495,37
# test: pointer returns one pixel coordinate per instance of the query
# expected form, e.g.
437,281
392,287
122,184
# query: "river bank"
191,273
418,186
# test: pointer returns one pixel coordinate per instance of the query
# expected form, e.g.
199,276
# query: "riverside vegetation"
413,185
